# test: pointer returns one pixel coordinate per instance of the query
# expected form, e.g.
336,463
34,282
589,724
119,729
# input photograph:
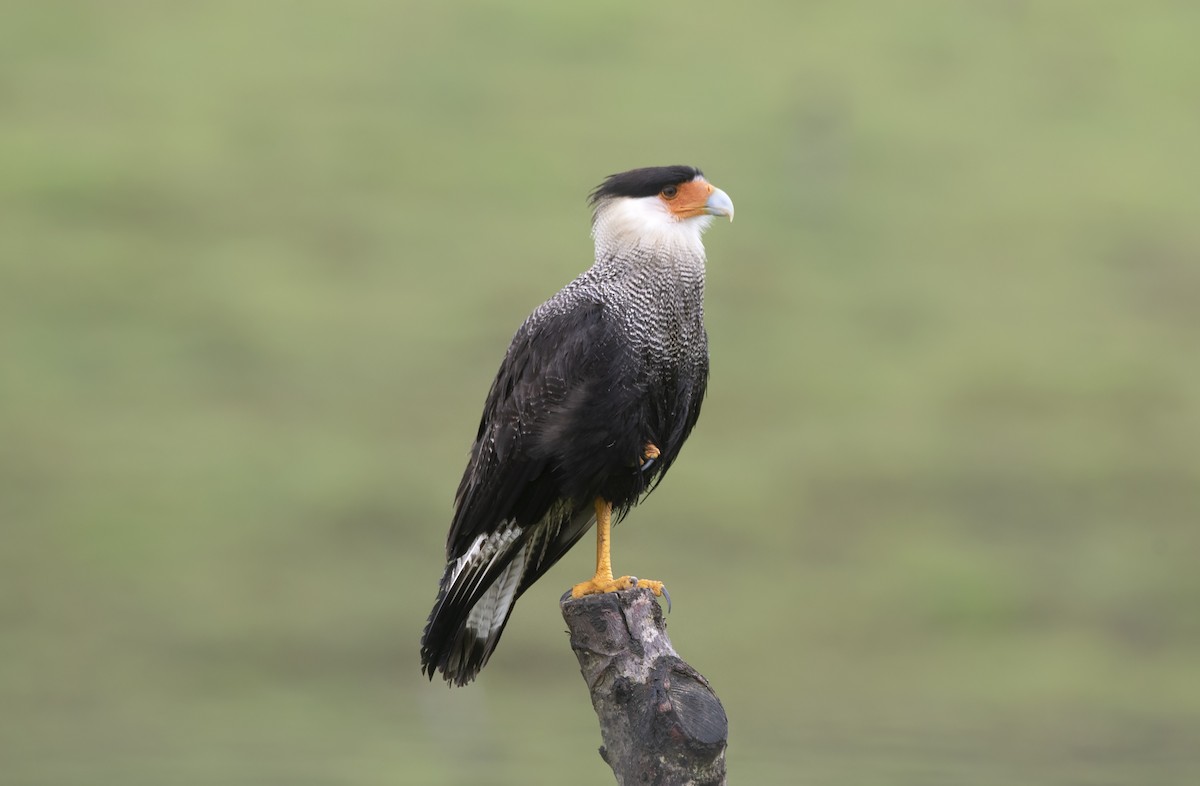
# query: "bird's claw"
649,453
600,585
657,587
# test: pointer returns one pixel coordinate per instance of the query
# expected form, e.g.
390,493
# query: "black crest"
644,182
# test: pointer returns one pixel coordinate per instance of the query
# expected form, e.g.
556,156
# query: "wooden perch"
660,721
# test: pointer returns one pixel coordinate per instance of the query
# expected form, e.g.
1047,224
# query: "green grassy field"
939,523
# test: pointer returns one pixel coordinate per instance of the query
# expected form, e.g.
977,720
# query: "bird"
599,389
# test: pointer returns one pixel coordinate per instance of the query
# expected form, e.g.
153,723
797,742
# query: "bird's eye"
670,192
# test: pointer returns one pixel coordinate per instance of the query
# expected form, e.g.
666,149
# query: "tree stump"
660,721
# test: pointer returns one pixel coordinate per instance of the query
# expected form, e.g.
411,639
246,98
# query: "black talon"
667,595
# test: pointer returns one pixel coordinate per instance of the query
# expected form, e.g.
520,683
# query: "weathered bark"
660,721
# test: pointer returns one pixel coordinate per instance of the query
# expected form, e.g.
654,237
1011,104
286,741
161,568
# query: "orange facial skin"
690,199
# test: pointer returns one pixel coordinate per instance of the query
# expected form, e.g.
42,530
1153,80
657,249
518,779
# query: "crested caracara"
592,403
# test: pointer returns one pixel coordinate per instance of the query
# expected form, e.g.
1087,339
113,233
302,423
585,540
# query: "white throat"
622,224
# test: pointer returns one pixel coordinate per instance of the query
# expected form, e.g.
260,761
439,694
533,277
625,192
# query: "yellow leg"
603,581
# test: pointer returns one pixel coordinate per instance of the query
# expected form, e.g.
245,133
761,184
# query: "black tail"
479,590
475,599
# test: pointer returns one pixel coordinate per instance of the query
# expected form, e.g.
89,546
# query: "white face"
654,221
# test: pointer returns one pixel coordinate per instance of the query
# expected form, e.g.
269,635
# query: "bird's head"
656,206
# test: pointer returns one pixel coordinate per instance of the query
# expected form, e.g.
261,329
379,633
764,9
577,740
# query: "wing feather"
566,420
511,505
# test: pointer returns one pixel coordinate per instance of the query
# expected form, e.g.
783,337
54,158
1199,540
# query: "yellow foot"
598,584
649,454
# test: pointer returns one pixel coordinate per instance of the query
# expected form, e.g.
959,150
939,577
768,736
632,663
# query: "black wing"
555,401
553,429
567,419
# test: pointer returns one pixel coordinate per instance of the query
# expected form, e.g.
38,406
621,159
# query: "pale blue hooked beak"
719,204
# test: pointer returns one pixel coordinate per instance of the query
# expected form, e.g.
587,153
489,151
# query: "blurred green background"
259,262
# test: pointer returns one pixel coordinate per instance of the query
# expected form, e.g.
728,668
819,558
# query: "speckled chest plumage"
656,298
